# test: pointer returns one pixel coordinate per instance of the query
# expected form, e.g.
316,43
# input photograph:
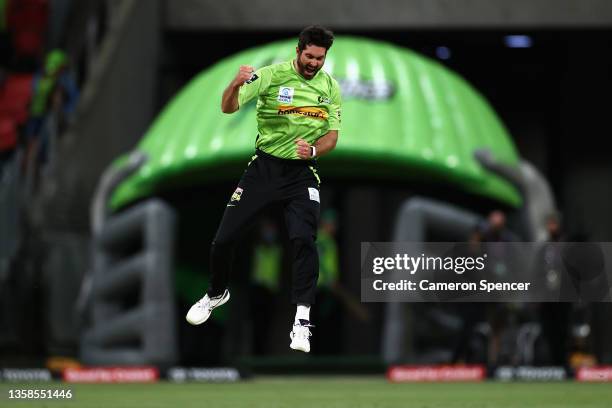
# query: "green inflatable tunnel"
404,118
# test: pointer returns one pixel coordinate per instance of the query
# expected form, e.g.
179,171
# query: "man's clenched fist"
244,74
302,149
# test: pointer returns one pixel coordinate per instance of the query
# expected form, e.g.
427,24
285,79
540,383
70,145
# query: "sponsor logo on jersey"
285,94
308,111
323,99
254,77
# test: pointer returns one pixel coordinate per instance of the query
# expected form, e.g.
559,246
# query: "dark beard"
303,72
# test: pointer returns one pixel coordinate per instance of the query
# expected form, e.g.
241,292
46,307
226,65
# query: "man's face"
553,227
310,60
497,220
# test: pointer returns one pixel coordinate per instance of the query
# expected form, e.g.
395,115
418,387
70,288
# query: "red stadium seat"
28,42
18,87
28,20
8,134
28,13
15,97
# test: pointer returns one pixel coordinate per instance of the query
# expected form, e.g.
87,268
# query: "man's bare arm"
229,100
324,145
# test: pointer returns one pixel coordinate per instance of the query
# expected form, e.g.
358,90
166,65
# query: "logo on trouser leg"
314,194
235,197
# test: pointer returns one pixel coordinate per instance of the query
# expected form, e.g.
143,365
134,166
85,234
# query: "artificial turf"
315,392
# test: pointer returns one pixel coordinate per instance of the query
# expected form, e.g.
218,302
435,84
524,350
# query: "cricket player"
298,119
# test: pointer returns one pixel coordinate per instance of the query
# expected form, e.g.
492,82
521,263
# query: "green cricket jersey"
290,107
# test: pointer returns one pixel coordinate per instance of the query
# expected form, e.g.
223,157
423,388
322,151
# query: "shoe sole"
296,347
299,348
223,301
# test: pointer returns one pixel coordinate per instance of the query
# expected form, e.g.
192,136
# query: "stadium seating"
15,97
8,134
28,20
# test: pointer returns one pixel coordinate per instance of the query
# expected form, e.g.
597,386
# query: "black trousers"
267,180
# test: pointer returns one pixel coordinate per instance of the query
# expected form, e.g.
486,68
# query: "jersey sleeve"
255,86
335,107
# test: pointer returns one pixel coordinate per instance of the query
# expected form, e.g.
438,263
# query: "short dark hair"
315,35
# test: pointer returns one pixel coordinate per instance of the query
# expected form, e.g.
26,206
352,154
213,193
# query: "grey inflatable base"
133,265
416,218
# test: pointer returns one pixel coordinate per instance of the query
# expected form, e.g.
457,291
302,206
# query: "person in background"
329,269
327,308
54,91
472,314
332,295
266,274
554,316
495,229
496,238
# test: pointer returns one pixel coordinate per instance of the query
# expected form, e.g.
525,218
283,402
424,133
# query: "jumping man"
298,118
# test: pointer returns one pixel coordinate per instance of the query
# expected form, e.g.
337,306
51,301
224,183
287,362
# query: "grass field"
321,392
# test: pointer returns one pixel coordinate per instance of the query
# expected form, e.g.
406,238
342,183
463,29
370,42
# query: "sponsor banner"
528,373
356,88
203,374
111,375
308,111
486,272
25,375
436,373
594,374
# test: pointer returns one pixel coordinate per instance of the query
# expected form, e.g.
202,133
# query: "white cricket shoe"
201,310
300,336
